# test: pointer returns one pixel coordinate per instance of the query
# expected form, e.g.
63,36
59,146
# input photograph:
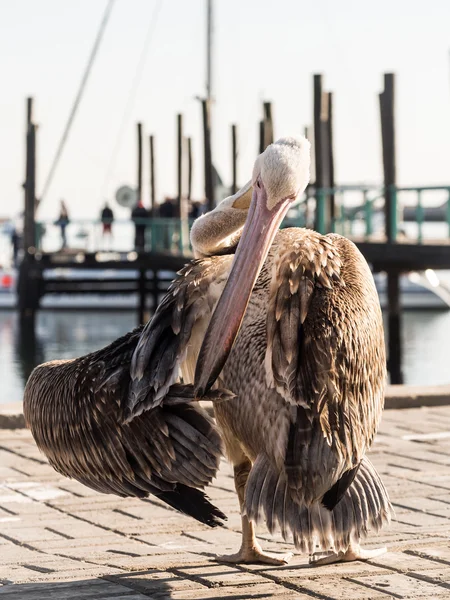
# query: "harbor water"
66,334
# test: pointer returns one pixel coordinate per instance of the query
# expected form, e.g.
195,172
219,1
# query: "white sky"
264,50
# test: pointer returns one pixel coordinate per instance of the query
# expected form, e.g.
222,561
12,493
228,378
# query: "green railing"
160,235
368,206
359,213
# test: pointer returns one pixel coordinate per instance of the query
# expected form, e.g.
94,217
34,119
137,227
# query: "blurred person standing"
107,218
167,211
139,215
63,221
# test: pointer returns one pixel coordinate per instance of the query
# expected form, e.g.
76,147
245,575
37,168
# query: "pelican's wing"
75,410
170,342
325,352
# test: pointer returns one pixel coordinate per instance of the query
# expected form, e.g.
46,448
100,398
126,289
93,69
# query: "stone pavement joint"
61,540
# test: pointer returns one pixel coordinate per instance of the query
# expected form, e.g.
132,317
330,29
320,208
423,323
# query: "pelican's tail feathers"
364,506
194,503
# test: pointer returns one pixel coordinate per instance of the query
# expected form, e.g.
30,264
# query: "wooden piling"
394,328
209,179
389,164
268,124
189,168
142,297
330,157
29,234
261,137
183,209
28,287
323,152
152,176
180,164
234,185
393,276
139,162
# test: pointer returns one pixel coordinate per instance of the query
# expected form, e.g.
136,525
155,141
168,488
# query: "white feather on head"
284,169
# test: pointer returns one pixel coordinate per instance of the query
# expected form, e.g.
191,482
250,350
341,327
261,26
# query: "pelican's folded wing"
170,342
325,355
75,409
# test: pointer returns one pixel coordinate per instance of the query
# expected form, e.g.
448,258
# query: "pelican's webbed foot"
353,552
255,555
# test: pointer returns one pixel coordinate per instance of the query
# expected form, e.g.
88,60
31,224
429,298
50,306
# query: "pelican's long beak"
259,231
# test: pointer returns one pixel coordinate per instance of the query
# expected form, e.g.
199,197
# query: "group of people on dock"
140,215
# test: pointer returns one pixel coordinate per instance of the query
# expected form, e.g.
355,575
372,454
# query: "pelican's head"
281,172
280,175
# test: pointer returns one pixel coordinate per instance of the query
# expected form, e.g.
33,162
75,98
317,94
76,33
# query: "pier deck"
58,539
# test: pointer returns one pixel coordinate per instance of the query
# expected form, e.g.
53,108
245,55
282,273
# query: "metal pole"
209,49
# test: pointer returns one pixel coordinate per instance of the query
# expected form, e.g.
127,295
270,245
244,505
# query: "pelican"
289,322
75,409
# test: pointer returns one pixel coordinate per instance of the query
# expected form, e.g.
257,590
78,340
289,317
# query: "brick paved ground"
60,540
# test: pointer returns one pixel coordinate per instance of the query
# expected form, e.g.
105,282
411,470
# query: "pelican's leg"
353,552
250,550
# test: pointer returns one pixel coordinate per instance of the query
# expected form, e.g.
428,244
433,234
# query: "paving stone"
403,586
333,589
81,589
260,591
402,561
220,575
441,553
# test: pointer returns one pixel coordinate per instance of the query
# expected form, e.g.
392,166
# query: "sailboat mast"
209,44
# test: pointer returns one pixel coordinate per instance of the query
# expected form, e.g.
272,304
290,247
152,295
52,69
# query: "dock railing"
87,235
359,214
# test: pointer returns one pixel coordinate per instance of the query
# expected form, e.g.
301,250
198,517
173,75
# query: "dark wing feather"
325,355
178,325
75,410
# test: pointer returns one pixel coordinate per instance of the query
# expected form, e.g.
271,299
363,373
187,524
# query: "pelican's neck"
220,230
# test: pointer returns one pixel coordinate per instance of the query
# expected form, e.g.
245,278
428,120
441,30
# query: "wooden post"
155,289
139,161
261,137
329,136
29,233
234,185
209,182
323,156
189,168
394,328
142,297
389,166
152,177
29,282
183,209
180,165
268,124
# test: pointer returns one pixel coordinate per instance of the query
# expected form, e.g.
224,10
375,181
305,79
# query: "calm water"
67,334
